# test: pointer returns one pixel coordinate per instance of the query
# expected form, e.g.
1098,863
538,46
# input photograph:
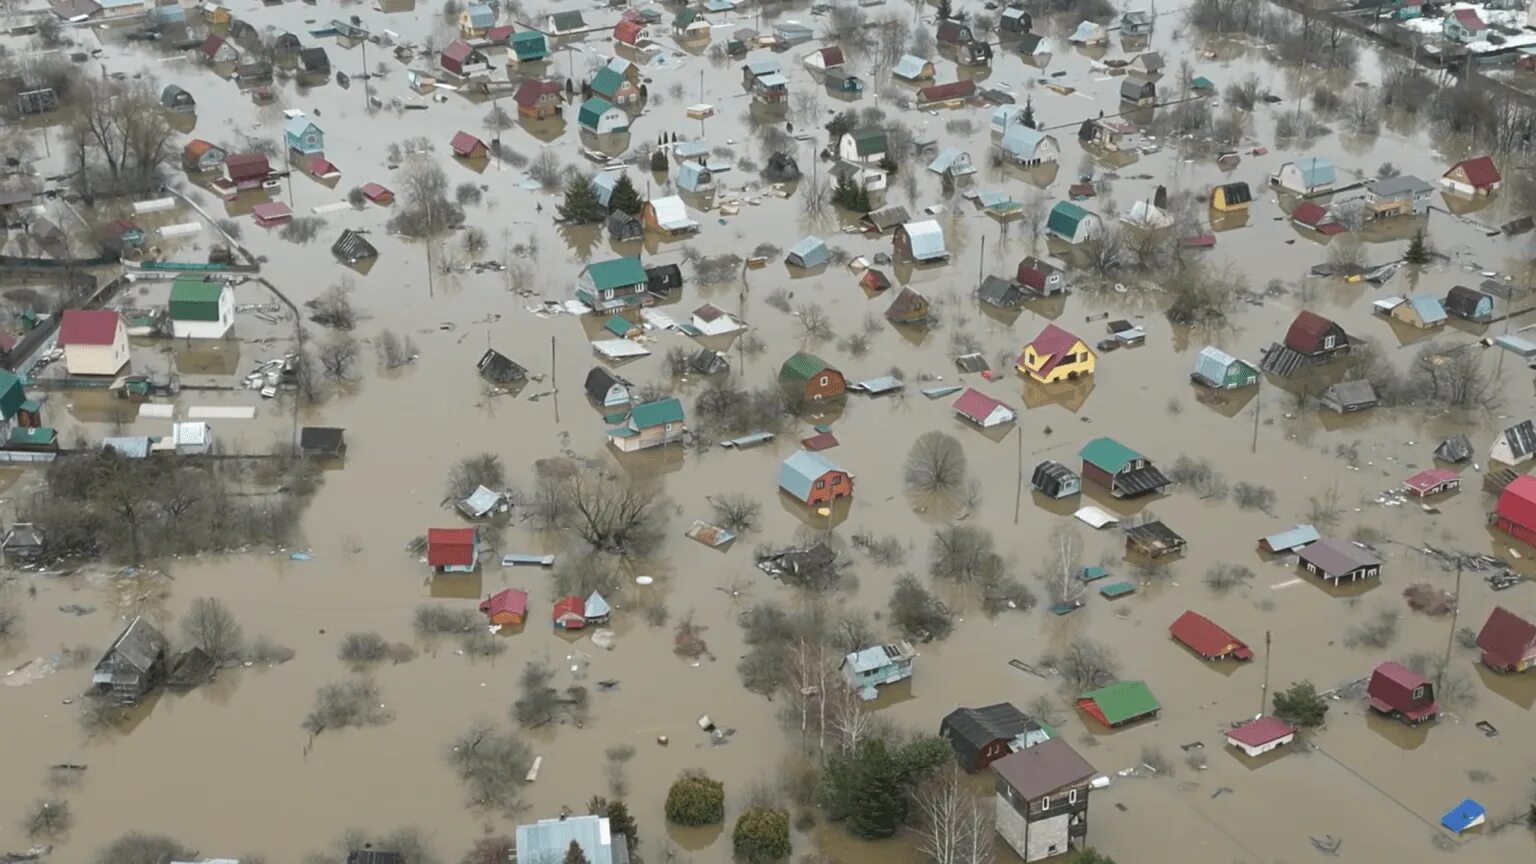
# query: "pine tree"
1418,250
1028,118
944,9
879,799
574,855
850,196
581,206
620,822
625,197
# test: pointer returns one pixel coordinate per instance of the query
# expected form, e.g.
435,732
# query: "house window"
1328,343
1072,797
821,484
1045,803
1418,692
667,428
823,380
607,293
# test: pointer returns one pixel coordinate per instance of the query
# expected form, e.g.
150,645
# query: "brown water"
229,761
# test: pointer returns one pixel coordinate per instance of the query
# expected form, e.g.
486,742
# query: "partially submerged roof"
1042,769
1108,454
1337,557
1121,702
801,470
1262,731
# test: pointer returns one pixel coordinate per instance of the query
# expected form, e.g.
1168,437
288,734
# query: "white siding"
97,359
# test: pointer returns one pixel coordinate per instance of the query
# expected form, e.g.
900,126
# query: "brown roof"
530,92
1307,332
1506,637
943,92
1337,557
1043,768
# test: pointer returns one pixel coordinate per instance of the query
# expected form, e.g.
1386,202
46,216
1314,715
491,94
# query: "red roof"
1469,19
944,92
820,441
458,50
1257,733
531,91
1425,481
831,57
631,15
1480,170
1030,276
509,600
1307,332
1309,213
1202,636
570,613
498,34
628,31
319,166
450,547
976,405
465,144
196,148
247,166
1517,502
1391,689
88,327
271,211
376,192
1506,639
1053,343
211,46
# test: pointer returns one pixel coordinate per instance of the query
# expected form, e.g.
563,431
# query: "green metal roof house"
1119,703
1121,470
863,145
1217,369
601,116
13,394
812,376
653,424
613,284
201,309
529,46
561,23
1072,223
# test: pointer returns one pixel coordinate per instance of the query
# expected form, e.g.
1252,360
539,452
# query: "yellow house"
1231,197
1056,355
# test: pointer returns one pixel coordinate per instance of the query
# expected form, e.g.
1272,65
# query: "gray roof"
809,250
1021,140
1043,768
1347,393
1337,557
879,656
926,239
132,446
801,469
139,645
1291,538
546,841
1401,186
909,66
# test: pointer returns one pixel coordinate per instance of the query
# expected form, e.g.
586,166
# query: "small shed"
867,669
1138,90
1219,370
808,252
913,68
325,442
1432,481
1000,293
1469,304
1310,176
920,241
1516,445
506,608
1397,691
1347,397
983,410
1119,704
694,177
1508,642
1055,480
175,98
606,389
1464,816
981,736
497,368
1154,540
1454,450
1260,736
602,117
1422,311
569,613
1121,470
453,550
467,146
596,609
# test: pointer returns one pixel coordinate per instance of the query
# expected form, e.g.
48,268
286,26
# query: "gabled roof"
139,645
1521,438
868,142
1108,454
548,839
1428,308
352,246
1401,186
1480,171
193,299
507,600
658,413
962,89
88,327
981,726
1517,502
532,90
616,273
1042,769
567,21
1052,342
607,82
909,302
1307,331
1337,557
1507,638
910,66
1469,19
925,239
1121,702
1206,638
1315,171
801,470
451,547
976,405
802,367
1021,140
297,126
1264,730
463,143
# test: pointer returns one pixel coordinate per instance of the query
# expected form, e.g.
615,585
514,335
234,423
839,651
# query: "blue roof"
762,67
1428,307
801,470
909,66
1020,140
690,175
1212,364
952,159
772,79
810,249
869,659
1291,538
481,15
1465,815
1315,171
1004,115
689,149
603,185
298,126
596,607
548,839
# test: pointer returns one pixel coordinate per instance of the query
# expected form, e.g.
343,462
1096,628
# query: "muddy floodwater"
227,769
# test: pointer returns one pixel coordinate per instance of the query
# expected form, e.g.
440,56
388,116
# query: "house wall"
1264,748
829,487
826,384
209,329
1097,475
97,359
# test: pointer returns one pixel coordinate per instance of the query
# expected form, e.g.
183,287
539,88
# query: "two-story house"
613,284
1056,355
1042,799
1403,195
651,424
867,146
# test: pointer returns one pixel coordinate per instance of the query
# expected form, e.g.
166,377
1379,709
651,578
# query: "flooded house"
1015,19
1401,693
913,68
1515,511
694,177
689,26
616,83
808,252
823,59
1207,639
499,369
663,279
1338,561
95,341
569,613
1432,481
200,156
1119,469
1028,147
467,146
23,543
606,388
528,46
174,98
1422,311
1138,90
1261,735
1119,704
668,216
352,248
754,69
475,20
1516,445
1463,26
968,50
1041,804
133,664
123,235
303,136
1033,46
983,410
922,242
981,736
1219,370
201,309
1109,133
886,218
1089,33
1507,642
323,442
770,89
1469,304
1454,450
549,840
506,608
1055,480
565,23
1040,277
1056,355
1072,224
1315,217
1231,197
792,33
1000,293
1137,22
953,163
711,320
813,479
869,177
1392,197
629,31
1311,335
601,117
453,550
868,146
651,424
1148,63
314,61
841,81
464,60
909,307
938,94
1475,176
613,284
1348,397
538,98
1153,540
1310,176
868,668
811,378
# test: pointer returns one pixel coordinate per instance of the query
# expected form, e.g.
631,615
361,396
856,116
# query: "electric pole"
1450,637
1264,691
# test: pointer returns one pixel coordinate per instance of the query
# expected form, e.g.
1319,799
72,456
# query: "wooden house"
1476,176
1056,355
200,156
464,60
453,550
1469,304
475,20
1314,336
1422,311
939,94
1119,469
499,369
811,378
668,216
1042,799
565,23
1516,445
1040,277
922,242
981,736
1153,540
1137,90
1072,224
352,248
1347,397
1208,640
1403,195
1027,147
1463,26
910,67
1508,642
1219,370
1309,176
813,479
527,46
303,136
868,146
1397,691
539,98
606,389
134,663
468,147
909,307
869,668
1515,511
1338,561
506,608
651,424
1055,480
613,284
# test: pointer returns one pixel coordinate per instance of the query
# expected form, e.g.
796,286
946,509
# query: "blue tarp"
1467,814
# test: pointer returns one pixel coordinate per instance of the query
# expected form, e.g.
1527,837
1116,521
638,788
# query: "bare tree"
936,463
337,355
119,136
349,703
1034,213
814,321
1062,571
952,827
965,553
1086,664
47,819
611,512
10,619
210,625
333,308
491,765
848,719
362,649
1454,377
395,350
737,513
474,471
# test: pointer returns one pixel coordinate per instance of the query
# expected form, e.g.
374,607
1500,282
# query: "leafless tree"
491,765
1222,578
1062,572
1362,114
1347,254
814,188
737,513
952,827
1454,377
10,619
349,703
1086,664
814,321
210,625
337,355
362,649
808,104
136,848
333,308
610,511
474,471
965,553
118,135
1034,213
848,719
47,819
395,350
936,463
811,676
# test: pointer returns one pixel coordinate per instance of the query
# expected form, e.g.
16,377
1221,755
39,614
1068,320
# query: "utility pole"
552,385
1264,692
287,169
366,102
1450,637
1258,399
981,263
1018,489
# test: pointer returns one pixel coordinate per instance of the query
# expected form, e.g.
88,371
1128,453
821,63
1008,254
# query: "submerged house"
983,410
1042,799
1121,470
1028,147
1119,704
1422,311
1219,370
303,136
1476,176
453,550
953,91
651,424
813,479
1469,304
913,68
1055,480
1231,197
1138,90
1516,445
1399,692
602,117
1338,561
1347,397
909,307
868,146
550,840
1403,195
1056,355
812,378
869,668
199,156
538,99
1040,277
95,341
1314,336
134,663
1515,512
1207,639
498,368
1309,176
201,310
1508,642
174,98
668,216
352,248
981,736
613,284
606,389
1260,736
808,252
919,241
506,608
1073,224
463,60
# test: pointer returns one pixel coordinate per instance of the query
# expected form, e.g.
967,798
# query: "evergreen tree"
1301,705
1418,250
574,855
581,206
625,197
620,822
879,805
945,9
850,196
1028,119
659,161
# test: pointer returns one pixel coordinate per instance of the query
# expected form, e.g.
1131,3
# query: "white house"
1257,737
1028,147
868,146
870,178
711,320
192,437
201,310
95,341
1309,176
983,410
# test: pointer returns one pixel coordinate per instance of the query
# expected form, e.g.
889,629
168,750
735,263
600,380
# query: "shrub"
762,834
695,800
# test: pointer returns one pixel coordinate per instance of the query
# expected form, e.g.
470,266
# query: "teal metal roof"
1108,454
616,273
657,413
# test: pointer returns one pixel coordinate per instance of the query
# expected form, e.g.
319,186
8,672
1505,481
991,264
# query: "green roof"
607,82
192,299
529,45
568,21
656,413
617,325
40,436
801,367
684,18
592,110
616,273
12,394
869,141
1107,453
1064,219
1122,701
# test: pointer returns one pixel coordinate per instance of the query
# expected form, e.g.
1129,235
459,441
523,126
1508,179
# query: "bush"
762,834
695,800
1301,705
917,613
361,649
